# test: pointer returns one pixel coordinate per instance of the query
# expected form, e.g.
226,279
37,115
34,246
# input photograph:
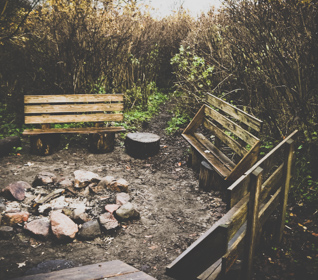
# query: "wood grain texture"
219,167
100,117
72,108
84,130
226,139
72,98
239,114
114,270
240,132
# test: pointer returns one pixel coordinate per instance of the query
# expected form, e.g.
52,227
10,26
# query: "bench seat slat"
218,166
228,140
244,117
72,108
81,130
41,119
243,134
72,98
215,151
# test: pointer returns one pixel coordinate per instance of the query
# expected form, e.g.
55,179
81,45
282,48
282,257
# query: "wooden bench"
113,270
45,110
230,129
234,237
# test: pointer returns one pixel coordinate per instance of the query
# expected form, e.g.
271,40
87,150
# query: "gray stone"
39,228
2,207
84,178
127,212
6,232
44,178
107,181
89,230
108,221
122,198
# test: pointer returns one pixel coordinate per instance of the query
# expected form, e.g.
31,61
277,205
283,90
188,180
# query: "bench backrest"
46,109
232,127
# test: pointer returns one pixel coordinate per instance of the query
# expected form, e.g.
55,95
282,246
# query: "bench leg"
101,142
206,177
196,159
44,145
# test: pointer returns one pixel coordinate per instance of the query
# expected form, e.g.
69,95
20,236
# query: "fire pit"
84,206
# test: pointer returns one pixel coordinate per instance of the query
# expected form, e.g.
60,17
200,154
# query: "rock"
16,190
6,232
127,212
89,230
2,207
80,216
10,219
68,212
108,221
44,178
106,182
62,226
110,183
111,208
122,198
66,183
84,178
12,207
39,228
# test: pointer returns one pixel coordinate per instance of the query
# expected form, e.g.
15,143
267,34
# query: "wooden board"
73,98
218,166
242,116
73,108
73,118
84,130
240,132
113,270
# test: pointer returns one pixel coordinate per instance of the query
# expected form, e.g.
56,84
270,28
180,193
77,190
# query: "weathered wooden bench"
45,110
228,128
113,270
255,196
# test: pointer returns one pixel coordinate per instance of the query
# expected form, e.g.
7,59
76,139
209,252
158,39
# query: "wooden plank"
226,139
245,163
210,247
196,122
235,250
237,113
214,150
289,154
73,98
239,186
82,130
268,208
72,108
211,159
212,272
114,270
72,118
252,227
240,132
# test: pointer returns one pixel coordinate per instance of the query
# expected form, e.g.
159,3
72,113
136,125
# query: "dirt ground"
174,212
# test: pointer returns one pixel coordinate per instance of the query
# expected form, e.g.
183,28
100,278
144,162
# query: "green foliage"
176,123
135,117
8,127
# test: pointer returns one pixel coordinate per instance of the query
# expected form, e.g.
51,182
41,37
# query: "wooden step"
113,270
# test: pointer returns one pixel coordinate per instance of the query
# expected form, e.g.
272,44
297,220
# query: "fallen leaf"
308,221
153,247
314,234
148,236
179,163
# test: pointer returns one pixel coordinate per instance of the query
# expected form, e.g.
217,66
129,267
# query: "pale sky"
195,7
